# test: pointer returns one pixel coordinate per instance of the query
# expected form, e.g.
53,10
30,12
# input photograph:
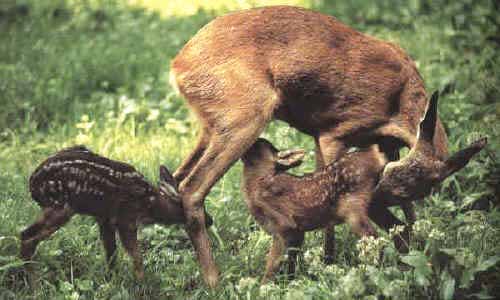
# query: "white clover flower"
473,136
73,296
469,258
313,257
246,283
267,289
422,228
396,230
295,294
396,289
475,226
335,270
370,248
437,235
352,283
308,256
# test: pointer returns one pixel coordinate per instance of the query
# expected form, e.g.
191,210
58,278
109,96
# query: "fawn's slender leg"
128,236
293,243
51,220
273,260
108,237
328,149
38,225
354,208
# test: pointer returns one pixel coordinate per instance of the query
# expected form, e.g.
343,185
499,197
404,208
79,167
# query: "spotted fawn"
76,180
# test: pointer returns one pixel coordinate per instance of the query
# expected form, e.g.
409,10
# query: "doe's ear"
428,123
289,158
165,176
458,160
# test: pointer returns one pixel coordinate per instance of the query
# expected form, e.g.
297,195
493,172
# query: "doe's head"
413,176
263,155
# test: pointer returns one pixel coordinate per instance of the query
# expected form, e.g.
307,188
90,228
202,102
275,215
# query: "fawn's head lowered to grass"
413,176
76,180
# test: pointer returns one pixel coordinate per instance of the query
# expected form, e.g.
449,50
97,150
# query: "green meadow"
96,73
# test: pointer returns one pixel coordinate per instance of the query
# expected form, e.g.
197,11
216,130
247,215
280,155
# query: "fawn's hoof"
27,250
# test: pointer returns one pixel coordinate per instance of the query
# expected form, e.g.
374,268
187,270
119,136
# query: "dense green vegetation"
95,72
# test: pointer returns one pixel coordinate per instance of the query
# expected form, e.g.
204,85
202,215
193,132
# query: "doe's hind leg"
185,168
231,135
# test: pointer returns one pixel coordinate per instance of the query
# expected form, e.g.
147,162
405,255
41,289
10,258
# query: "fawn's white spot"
72,184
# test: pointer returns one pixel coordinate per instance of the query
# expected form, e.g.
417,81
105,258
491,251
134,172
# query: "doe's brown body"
327,80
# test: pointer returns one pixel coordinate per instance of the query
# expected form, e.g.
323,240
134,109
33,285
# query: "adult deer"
327,80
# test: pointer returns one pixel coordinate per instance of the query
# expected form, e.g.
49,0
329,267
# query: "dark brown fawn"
287,206
347,190
76,180
322,77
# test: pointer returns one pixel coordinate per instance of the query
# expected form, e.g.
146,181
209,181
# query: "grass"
95,72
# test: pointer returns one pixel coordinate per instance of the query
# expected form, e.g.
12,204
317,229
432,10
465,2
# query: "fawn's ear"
165,176
458,160
289,158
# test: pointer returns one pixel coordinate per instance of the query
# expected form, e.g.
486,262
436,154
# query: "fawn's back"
89,183
312,201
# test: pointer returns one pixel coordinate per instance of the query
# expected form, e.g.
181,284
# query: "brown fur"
286,206
76,180
347,190
338,85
